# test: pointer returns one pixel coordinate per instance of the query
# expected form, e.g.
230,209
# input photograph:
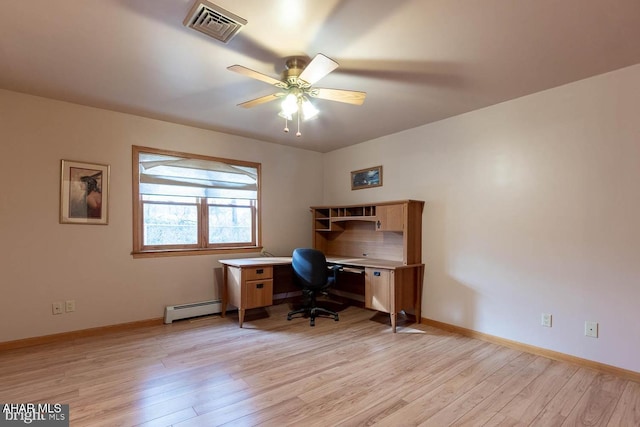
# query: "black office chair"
312,276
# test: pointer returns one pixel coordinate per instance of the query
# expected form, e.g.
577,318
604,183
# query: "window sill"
192,252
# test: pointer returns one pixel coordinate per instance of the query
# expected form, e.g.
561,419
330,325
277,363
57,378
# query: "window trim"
139,252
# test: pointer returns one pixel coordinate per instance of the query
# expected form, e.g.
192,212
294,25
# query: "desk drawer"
257,293
258,273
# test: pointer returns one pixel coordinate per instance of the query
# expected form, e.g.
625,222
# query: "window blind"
165,175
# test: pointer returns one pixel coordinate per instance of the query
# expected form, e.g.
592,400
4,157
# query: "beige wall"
42,261
532,206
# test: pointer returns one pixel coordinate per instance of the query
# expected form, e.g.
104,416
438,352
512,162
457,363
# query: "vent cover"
214,21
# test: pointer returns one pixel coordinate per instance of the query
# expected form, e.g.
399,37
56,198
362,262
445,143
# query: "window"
190,204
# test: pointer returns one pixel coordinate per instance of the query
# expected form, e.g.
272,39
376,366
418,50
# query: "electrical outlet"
545,320
56,308
591,329
70,305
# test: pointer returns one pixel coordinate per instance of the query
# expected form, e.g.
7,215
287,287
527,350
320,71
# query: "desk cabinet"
390,217
394,290
377,289
249,287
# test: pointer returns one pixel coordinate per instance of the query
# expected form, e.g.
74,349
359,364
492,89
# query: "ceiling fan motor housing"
294,67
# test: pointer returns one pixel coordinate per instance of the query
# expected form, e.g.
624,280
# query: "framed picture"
84,193
366,178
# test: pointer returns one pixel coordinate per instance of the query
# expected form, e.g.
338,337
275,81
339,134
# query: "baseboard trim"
538,351
83,333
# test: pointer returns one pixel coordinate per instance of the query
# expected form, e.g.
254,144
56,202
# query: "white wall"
532,206
42,261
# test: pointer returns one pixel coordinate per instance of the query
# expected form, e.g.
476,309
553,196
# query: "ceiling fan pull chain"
298,134
286,128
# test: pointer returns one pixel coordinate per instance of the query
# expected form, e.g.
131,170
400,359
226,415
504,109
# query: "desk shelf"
330,219
322,220
354,218
353,211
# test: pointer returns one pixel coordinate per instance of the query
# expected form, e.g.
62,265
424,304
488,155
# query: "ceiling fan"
296,87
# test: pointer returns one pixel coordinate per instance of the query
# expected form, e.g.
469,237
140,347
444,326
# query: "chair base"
313,312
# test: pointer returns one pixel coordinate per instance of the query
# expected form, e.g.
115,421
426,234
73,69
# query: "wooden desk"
382,240
390,286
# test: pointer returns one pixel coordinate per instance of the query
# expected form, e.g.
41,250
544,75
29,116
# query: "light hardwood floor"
354,372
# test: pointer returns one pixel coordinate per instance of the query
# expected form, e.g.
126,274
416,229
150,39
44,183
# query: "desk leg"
225,295
241,316
394,301
418,286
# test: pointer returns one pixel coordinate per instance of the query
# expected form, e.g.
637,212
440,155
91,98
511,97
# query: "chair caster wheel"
336,318
288,317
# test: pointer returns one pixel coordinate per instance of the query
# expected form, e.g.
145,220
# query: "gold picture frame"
366,178
84,193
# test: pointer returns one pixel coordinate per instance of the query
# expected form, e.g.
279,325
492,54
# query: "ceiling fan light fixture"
285,115
296,103
289,105
309,111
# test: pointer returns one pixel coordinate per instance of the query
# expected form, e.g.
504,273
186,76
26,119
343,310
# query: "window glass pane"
230,224
172,224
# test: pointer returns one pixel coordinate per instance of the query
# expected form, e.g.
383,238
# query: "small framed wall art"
84,193
366,178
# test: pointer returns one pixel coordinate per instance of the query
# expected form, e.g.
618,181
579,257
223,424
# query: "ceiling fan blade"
261,100
254,74
319,67
346,96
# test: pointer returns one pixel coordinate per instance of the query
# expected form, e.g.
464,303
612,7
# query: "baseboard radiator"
185,311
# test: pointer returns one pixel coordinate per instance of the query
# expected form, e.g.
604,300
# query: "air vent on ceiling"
214,21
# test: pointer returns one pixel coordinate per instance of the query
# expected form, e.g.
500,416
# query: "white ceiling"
418,60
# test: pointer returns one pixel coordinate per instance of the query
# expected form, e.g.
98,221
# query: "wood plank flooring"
355,372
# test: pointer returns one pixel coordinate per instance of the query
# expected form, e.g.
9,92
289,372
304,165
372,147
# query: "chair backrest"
310,268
